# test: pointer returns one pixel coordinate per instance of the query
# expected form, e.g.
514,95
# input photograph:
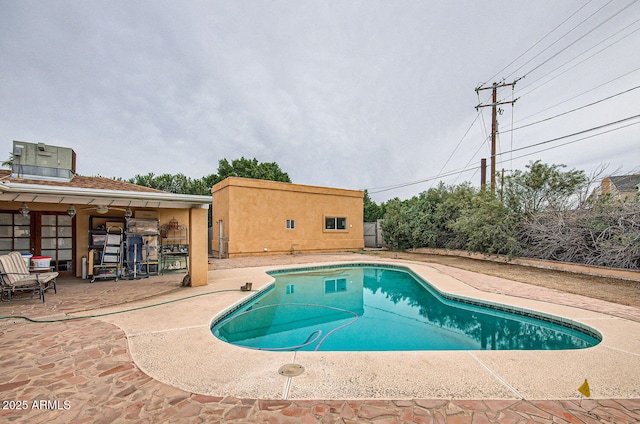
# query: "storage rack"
142,247
174,248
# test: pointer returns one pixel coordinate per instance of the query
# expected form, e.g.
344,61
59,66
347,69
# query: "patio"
82,370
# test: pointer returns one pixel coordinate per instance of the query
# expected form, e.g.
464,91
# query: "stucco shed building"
257,217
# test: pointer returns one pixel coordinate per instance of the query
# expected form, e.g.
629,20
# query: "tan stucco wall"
255,212
219,213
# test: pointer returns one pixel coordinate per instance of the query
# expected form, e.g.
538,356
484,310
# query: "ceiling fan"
103,209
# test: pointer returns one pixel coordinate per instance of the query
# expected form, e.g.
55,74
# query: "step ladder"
111,260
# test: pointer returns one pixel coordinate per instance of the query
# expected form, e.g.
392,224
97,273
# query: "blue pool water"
381,308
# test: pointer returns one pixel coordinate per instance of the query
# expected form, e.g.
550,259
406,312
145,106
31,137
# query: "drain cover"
291,370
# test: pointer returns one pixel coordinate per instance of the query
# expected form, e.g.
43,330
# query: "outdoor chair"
15,277
48,278
14,282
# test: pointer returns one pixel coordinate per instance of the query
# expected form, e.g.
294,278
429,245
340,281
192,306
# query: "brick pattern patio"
80,371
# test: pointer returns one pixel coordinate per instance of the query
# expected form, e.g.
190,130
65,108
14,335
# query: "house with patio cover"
70,220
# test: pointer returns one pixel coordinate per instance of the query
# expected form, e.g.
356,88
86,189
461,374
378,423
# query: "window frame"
19,230
336,221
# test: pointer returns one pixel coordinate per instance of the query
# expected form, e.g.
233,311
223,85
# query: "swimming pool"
364,307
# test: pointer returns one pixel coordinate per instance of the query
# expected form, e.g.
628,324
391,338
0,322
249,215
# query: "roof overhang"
37,193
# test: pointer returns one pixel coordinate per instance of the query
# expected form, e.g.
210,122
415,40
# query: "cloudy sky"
376,95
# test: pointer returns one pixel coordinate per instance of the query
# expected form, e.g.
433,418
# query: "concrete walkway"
81,370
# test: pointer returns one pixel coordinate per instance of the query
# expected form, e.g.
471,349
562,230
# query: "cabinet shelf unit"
174,248
142,247
105,247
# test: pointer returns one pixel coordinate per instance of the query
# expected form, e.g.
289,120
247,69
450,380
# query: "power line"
571,142
375,190
578,95
580,38
537,42
484,124
573,110
558,40
581,62
459,143
513,93
571,135
402,185
471,159
475,168
440,174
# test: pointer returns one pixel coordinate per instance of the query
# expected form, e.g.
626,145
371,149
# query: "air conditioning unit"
38,161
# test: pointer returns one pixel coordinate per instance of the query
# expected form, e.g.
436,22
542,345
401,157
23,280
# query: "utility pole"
494,123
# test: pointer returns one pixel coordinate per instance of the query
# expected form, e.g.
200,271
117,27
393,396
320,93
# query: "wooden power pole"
494,123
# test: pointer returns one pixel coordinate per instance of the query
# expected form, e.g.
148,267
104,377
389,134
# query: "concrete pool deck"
176,337
161,363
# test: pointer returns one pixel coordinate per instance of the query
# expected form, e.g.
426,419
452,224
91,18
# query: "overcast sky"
351,94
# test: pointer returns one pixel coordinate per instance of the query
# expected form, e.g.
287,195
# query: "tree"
542,214
424,220
487,226
9,162
543,187
372,211
605,234
433,212
394,225
250,168
179,183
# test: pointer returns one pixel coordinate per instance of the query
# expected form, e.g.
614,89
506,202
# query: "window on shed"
335,223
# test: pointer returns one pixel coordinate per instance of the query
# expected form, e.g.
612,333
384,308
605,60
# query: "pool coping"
173,344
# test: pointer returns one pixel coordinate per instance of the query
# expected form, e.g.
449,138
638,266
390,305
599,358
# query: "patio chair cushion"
12,273
21,268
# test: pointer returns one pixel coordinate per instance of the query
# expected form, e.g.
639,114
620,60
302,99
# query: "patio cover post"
198,240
